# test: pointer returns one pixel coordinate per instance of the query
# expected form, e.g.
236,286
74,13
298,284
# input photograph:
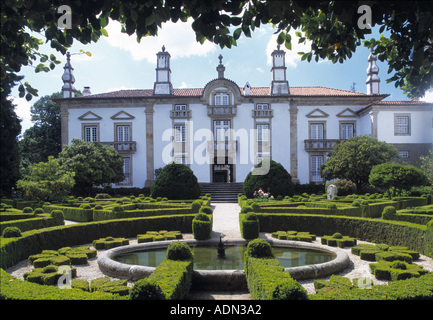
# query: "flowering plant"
262,196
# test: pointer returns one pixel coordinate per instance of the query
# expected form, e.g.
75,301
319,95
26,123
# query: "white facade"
222,130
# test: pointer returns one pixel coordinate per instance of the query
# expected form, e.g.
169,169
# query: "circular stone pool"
206,258
302,259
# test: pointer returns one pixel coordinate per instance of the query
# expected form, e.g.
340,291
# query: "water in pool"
205,258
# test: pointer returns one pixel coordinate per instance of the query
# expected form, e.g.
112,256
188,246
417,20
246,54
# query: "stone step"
222,192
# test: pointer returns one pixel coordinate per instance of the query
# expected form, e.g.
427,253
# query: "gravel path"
226,225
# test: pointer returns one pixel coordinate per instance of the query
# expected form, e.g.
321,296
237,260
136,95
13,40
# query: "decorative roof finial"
220,68
68,78
220,57
163,48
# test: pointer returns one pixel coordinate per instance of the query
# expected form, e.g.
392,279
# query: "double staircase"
222,192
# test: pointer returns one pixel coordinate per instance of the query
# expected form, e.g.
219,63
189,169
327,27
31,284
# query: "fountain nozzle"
221,249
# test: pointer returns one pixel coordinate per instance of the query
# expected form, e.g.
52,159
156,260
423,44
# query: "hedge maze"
38,233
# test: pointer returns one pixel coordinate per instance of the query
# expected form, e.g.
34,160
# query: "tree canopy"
396,177
47,181
93,163
354,158
176,181
335,29
277,181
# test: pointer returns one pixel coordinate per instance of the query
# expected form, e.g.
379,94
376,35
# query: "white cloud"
22,109
178,39
428,97
292,56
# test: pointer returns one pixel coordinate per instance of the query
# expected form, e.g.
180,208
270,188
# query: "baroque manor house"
222,130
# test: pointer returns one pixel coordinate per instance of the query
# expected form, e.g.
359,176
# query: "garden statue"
332,191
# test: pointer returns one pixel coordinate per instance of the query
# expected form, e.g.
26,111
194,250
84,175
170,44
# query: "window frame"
94,126
397,125
180,133
317,171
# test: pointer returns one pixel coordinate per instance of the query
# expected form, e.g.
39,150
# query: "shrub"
57,214
11,232
246,209
146,289
179,251
27,210
344,187
38,211
332,206
396,270
206,210
201,227
277,181
176,181
266,278
109,242
195,206
259,248
338,240
388,213
250,228
255,207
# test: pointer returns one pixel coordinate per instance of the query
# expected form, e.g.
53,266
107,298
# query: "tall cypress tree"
10,128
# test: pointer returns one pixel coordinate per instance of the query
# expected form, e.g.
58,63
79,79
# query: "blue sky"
119,62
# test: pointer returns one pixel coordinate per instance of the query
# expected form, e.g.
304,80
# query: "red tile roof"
255,91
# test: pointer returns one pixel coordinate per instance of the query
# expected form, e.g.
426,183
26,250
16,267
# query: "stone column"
150,173
373,115
294,140
64,123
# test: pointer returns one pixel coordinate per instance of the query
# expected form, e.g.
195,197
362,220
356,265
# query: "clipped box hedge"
72,213
172,278
31,224
13,250
415,237
266,278
12,288
420,288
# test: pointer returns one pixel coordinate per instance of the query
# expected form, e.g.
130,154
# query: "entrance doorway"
222,171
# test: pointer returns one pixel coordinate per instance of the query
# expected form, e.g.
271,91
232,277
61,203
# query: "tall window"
316,131
221,99
179,133
316,162
127,170
222,130
402,125
123,134
346,131
262,132
91,133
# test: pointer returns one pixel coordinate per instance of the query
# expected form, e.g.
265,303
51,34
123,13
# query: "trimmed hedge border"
31,224
394,233
14,250
266,278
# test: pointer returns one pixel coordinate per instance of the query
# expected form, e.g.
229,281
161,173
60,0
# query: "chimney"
247,89
279,84
86,91
372,75
163,84
68,90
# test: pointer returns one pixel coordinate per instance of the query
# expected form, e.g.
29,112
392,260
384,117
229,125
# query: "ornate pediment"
347,113
317,113
122,115
89,115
